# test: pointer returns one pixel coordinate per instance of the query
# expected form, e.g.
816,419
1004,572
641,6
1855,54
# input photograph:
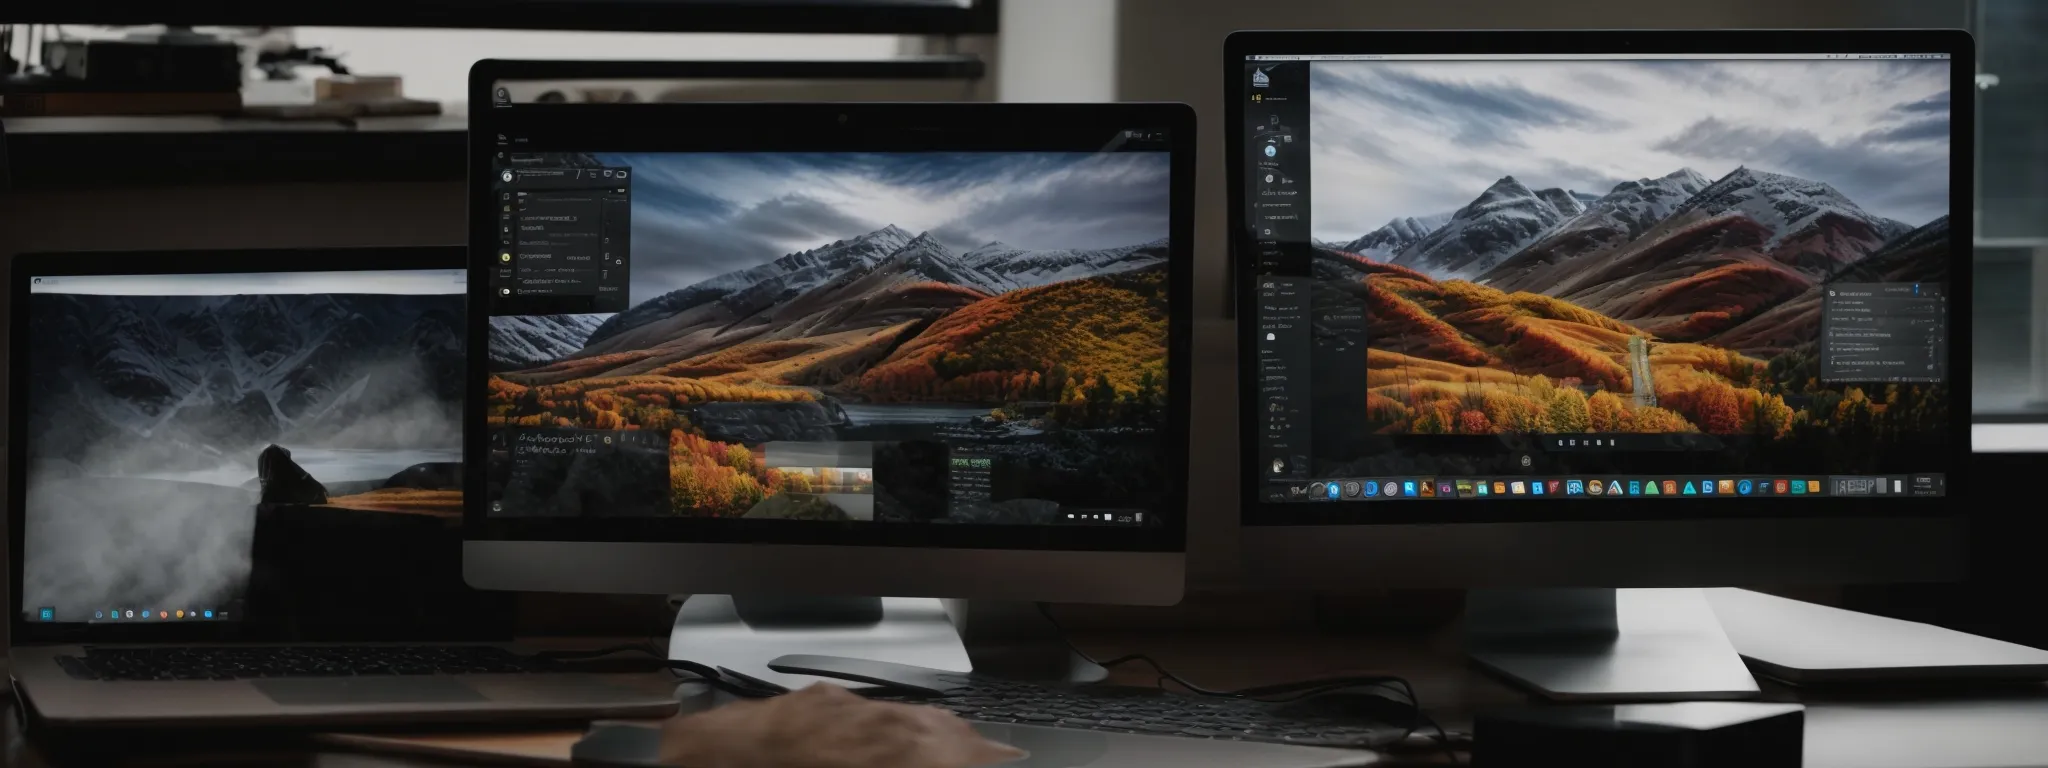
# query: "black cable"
1292,691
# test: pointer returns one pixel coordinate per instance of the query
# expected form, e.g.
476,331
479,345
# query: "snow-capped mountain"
1565,201
1623,214
850,290
534,340
1814,227
1021,268
1783,204
1496,225
1383,243
786,276
207,375
927,258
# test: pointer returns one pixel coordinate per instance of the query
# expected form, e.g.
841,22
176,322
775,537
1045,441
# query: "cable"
1289,692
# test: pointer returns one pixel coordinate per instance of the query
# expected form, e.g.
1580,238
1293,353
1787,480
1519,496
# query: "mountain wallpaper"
168,433
1014,303
1627,247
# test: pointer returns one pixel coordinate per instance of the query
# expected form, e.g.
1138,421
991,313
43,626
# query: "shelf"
860,17
87,152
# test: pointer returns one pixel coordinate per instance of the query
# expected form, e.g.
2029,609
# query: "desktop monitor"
245,444
1601,308
828,350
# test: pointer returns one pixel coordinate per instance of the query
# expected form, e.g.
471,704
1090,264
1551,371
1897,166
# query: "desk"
2010,731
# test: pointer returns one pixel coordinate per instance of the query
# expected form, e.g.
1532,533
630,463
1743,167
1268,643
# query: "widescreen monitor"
1601,308
880,350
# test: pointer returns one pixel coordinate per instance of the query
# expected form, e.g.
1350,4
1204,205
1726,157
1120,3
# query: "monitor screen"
187,432
855,338
1585,277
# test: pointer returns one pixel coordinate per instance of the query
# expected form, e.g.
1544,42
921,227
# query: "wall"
1057,51
1170,50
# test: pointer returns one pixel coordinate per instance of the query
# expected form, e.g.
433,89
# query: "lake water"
874,414
327,465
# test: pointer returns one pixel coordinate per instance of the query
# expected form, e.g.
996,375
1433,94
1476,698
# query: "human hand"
826,726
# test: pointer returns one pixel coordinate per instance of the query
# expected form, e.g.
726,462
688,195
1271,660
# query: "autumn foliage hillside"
1457,357
1064,342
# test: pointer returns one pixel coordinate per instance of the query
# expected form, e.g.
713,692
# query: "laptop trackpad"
306,692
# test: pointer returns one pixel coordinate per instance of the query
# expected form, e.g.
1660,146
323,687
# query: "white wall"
1057,51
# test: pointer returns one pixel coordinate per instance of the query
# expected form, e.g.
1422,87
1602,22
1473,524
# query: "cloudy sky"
700,215
1415,138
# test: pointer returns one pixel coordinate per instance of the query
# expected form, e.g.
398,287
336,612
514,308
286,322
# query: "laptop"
235,492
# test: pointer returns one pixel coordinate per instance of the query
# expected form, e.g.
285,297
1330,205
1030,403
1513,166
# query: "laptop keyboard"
249,662
1141,710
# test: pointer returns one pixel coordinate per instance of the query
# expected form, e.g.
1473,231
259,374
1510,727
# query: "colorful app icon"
1329,490
1688,490
1743,487
1813,486
1464,489
1429,489
209,613
1780,487
1500,488
1635,487
1575,487
1517,488
181,613
1535,487
1671,487
1728,486
1555,486
1408,488
47,614
1614,487
1484,487
1445,489
1650,488
1706,487
1799,487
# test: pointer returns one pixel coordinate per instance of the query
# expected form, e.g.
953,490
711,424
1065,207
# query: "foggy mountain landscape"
1646,255
150,414
1009,330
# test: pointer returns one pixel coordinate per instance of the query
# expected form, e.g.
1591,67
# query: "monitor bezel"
24,268
765,127
1257,514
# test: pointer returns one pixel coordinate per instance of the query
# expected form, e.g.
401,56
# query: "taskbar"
1607,487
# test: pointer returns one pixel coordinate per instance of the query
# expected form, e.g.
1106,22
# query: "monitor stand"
1606,644
1010,640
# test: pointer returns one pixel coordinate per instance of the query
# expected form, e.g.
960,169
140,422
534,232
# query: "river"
880,414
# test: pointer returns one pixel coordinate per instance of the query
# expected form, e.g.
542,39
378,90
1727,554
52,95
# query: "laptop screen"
181,425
